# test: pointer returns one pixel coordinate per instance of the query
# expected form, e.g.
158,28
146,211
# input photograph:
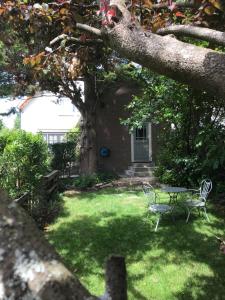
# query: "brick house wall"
111,134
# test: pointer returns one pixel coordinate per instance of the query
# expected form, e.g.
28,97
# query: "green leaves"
23,159
192,135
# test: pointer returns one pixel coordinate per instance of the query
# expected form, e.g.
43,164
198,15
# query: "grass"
179,261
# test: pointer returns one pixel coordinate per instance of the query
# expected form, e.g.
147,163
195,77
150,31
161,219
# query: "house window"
141,133
53,138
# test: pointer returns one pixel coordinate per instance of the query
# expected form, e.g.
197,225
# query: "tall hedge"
24,159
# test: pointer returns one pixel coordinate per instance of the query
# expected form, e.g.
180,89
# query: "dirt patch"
71,193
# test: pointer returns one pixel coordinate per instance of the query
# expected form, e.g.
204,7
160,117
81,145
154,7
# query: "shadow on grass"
88,240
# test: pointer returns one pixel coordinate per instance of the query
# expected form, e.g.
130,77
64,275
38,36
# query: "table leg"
173,198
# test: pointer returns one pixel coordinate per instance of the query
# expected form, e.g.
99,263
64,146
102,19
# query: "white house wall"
47,113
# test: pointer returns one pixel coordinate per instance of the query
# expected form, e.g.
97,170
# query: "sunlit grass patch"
179,261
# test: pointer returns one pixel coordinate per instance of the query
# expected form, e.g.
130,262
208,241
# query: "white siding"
47,113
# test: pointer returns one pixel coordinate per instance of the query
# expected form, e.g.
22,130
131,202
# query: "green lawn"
179,261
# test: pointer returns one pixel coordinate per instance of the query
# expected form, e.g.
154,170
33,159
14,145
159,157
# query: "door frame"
149,125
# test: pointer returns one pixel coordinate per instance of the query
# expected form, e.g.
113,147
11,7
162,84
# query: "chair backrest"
205,189
149,193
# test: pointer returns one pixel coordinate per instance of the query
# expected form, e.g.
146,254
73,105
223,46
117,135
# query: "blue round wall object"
104,152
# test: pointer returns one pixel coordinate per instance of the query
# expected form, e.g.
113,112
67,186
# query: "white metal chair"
153,206
199,203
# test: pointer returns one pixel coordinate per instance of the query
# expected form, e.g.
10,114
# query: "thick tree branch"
89,29
71,91
200,67
178,4
166,5
88,6
206,34
122,8
12,110
66,38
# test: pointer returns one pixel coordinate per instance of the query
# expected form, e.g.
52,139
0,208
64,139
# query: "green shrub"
45,212
24,158
87,181
66,154
65,183
106,176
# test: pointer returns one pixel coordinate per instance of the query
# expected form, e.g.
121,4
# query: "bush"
65,155
24,159
45,212
106,176
87,181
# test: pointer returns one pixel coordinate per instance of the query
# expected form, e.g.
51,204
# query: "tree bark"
200,67
88,148
205,34
116,278
29,266
31,269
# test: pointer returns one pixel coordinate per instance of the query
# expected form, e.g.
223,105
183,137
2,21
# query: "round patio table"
173,192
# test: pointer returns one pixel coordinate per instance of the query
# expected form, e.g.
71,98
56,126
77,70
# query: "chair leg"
157,223
207,218
172,215
189,212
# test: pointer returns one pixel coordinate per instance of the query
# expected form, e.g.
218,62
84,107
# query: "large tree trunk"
29,266
200,67
88,148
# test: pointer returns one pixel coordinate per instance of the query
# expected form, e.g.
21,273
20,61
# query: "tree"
192,129
67,39
133,30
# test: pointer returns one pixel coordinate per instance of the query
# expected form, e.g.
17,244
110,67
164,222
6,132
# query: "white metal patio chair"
153,205
199,203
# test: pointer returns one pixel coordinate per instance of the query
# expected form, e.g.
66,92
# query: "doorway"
141,144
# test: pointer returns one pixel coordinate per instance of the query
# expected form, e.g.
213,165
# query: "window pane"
141,133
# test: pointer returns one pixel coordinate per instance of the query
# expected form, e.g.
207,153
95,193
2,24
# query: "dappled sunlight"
179,261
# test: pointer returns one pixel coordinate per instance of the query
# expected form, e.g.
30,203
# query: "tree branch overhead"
205,34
